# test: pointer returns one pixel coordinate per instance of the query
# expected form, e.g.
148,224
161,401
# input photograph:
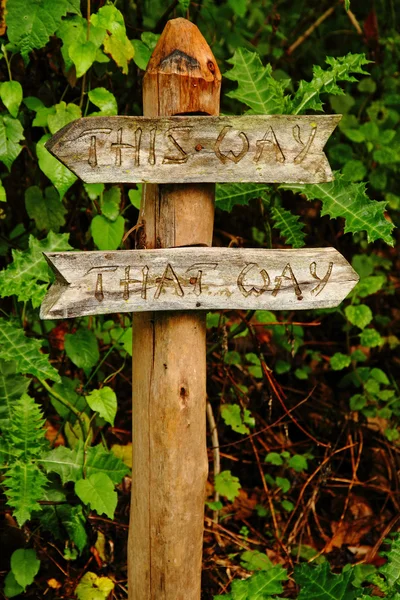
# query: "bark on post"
169,361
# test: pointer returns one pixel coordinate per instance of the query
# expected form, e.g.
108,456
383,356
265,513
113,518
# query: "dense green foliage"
307,404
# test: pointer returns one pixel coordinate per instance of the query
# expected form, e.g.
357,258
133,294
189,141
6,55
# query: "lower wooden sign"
89,283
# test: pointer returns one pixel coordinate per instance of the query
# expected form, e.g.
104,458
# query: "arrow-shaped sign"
275,149
89,283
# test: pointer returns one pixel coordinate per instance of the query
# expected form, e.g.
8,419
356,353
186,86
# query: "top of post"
182,75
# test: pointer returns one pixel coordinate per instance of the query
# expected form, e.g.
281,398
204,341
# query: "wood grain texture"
170,463
91,283
276,148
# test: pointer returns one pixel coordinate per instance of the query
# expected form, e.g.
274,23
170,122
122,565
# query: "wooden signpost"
169,284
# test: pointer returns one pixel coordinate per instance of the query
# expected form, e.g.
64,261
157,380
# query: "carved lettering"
269,143
127,281
322,282
230,155
169,277
288,275
182,157
99,295
118,148
197,281
92,158
152,147
257,291
306,147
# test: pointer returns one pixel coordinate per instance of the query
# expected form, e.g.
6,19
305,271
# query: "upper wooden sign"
89,283
275,149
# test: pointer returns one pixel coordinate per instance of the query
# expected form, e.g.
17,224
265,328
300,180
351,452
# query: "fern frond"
289,226
25,433
25,484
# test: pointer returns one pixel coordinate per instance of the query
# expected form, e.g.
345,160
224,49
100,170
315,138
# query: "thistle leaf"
12,386
348,200
26,432
319,583
229,194
256,86
25,485
289,227
391,569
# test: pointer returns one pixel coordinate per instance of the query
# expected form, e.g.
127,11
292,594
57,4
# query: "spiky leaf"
391,569
12,386
25,433
348,200
14,346
25,485
229,194
318,583
289,226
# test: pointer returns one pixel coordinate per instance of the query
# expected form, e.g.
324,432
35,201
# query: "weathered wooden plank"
187,149
91,283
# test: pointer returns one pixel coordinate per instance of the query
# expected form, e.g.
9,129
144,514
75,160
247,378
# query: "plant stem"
67,404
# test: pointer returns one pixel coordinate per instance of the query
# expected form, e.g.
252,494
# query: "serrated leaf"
12,386
318,583
104,100
359,315
238,421
92,587
391,569
11,133
24,566
25,433
83,55
28,275
370,338
230,194
349,201
289,226
98,492
11,96
103,401
24,483
339,361
82,348
307,95
48,212
256,86
227,485
264,584
107,235
61,177
115,42
14,346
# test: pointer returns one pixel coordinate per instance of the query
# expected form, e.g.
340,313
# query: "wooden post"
169,353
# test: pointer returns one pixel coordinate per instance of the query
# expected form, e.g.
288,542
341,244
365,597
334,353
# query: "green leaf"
24,566
67,390
73,520
26,433
110,203
14,346
391,569
82,348
370,285
339,361
83,55
358,402
98,492
380,376
61,177
12,386
359,315
230,194
256,86
283,483
370,338
239,7
318,583
94,190
63,114
116,42
298,463
264,584
107,235
135,196
11,96
349,201
48,213
227,485
232,416
307,95
105,101
252,560
142,54
3,195
354,170
273,458
24,484
28,275
11,587
11,133
92,587
289,227
31,24
103,401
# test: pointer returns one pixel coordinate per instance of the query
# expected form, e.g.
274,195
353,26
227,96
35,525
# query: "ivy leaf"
232,416
107,235
24,566
256,86
318,583
227,485
62,115
14,346
348,200
92,587
24,483
103,401
359,315
115,42
30,24
229,194
289,227
49,212
98,492
307,95
83,56
11,133
61,177
11,96
82,348
12,386
104,100
28,275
